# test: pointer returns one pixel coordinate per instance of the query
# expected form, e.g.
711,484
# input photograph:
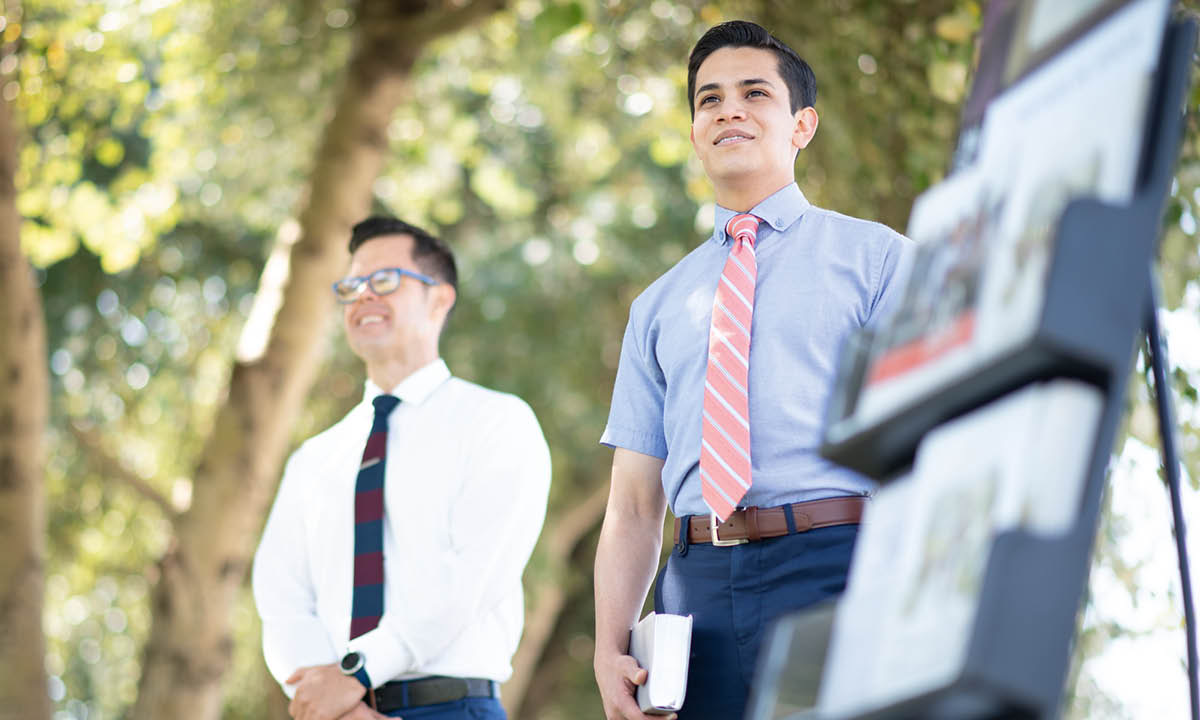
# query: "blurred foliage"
167,144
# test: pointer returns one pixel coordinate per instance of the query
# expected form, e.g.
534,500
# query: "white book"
662,645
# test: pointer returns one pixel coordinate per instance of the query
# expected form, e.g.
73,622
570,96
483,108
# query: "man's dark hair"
431,255
801,83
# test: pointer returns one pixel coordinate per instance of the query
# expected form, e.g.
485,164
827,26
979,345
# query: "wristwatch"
354,664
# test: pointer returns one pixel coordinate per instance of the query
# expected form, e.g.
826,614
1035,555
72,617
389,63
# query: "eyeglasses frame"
366,280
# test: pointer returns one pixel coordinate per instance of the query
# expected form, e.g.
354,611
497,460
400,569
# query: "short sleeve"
635,418
896,255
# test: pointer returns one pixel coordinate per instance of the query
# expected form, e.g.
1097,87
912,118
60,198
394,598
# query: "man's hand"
618,677
323,693
362,712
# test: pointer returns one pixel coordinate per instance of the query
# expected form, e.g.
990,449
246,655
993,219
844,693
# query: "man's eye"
706,98
752,93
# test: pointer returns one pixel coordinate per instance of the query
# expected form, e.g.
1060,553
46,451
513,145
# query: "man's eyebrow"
744,83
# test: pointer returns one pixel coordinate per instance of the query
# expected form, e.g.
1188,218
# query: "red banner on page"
919,352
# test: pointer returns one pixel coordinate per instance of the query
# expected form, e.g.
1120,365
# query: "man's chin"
369,343
736,172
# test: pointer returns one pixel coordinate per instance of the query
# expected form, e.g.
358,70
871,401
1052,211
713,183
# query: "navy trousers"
733,594
465,709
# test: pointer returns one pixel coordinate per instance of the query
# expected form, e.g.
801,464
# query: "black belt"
402,694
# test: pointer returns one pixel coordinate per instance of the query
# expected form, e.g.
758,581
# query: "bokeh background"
186,172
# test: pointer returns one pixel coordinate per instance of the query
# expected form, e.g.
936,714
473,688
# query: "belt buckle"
712,534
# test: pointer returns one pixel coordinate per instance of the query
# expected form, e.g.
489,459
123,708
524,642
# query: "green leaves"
555,20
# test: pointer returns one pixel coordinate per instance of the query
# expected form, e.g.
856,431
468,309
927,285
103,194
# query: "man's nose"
368,293
732,110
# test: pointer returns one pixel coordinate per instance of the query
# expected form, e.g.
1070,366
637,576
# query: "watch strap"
362,676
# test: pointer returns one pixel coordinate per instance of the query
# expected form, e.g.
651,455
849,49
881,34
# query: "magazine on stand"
905,620
930,336
977,287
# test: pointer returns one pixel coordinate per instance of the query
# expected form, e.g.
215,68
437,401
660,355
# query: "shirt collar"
414,389
779,210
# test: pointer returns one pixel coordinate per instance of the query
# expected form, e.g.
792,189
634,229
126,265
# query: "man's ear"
443,298
806,127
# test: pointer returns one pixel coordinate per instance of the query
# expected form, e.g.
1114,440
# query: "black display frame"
1098,298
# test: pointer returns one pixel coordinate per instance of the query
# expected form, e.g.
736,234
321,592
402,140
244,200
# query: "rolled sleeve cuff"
616,436
386,658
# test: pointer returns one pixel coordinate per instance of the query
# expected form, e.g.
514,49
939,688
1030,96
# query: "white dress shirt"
467,477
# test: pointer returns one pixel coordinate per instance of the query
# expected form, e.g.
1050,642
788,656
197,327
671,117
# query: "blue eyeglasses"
381,282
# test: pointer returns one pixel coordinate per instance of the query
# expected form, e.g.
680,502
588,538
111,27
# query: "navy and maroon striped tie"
367,605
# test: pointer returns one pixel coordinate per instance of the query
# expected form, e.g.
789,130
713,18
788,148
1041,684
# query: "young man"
726,366
389,579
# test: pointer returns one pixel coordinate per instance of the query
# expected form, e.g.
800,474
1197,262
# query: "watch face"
350,662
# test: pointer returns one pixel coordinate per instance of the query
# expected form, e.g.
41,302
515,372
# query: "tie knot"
385,404
743,227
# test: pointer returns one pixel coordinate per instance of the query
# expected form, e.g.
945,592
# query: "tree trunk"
559,541
23,410
190,641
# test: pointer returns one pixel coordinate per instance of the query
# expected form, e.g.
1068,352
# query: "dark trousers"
733,594
465,709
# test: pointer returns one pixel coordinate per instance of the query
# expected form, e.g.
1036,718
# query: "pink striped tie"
725,437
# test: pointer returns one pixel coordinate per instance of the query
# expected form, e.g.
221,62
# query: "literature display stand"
1017,644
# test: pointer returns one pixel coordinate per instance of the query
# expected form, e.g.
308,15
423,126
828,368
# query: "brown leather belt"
754,523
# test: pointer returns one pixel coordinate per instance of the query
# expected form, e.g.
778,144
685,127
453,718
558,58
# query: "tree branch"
380,18
549,596
577,522
112,468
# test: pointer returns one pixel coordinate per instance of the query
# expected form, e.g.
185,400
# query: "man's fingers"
298,675
629,710
619,678
631,671
639,676
635,675
362,712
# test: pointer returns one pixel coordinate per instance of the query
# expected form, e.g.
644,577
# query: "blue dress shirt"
820,275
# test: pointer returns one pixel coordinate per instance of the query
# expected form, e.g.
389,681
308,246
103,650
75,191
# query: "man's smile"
732,136
371,315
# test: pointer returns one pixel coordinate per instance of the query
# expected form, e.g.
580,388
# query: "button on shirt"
820,275
468,473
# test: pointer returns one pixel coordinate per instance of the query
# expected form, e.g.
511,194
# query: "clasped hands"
324,693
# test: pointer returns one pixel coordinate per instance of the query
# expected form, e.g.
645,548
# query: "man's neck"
741,197
390,372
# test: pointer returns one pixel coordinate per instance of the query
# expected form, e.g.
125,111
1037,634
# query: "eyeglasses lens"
385,281
346,291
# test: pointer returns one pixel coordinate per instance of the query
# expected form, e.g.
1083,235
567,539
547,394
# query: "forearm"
626,561
626,558
290,644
